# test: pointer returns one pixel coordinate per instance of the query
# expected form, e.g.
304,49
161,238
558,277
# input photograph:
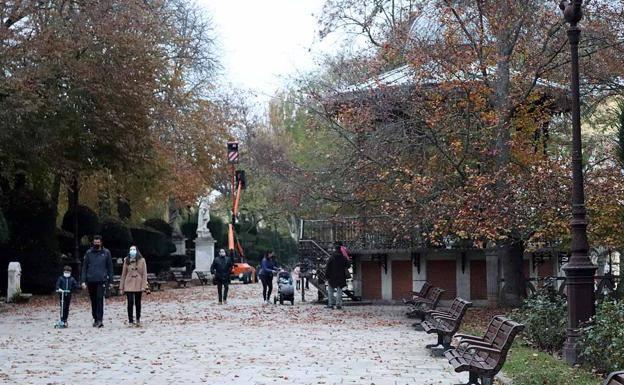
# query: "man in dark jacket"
97,272
220,269
336,275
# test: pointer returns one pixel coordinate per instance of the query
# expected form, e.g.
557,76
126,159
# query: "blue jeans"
331,300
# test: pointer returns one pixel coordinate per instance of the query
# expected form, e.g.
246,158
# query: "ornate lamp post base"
580,287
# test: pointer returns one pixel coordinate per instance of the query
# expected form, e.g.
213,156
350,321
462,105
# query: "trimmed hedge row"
4,229
88,221
30,221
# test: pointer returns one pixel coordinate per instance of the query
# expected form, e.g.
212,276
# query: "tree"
459,134
136,129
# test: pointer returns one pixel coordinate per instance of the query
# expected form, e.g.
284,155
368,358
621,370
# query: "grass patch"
528,366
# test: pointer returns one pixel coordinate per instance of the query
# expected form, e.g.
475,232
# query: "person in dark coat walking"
221,269
64,286
267,269
336,275
97,273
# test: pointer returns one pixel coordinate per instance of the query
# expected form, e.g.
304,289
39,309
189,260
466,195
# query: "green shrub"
117,239
602,343
33,243
179,260
150,242
219,230
160,225
88,222
189,229
4,229
619,290
65,241
154,246
544,315
115,234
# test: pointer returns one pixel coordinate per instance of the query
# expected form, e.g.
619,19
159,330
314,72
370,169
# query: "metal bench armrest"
468,337
475,343
436,312
485,349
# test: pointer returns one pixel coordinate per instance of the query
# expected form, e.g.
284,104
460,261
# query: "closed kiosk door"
478,280
401,279
371,280
442,273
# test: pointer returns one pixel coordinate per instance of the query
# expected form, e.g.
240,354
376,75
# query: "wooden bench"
488,337
615,378
418,294
155,282
482,359
180,278
422,305
445,324
201,276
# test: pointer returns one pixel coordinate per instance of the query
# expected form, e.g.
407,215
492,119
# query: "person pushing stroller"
65,284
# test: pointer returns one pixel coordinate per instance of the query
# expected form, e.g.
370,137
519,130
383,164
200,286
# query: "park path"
188,339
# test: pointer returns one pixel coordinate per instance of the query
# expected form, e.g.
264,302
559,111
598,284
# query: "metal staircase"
313,259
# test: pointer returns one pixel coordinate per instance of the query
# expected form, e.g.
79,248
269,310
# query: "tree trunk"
72,196
56,192
514,290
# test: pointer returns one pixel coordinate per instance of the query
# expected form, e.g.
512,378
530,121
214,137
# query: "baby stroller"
285,288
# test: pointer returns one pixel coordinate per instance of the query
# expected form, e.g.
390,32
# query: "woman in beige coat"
133,282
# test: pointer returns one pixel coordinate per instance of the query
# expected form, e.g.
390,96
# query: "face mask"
98,247
66,275
133,253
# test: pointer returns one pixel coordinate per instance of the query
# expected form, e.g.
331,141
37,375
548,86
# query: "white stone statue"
203,217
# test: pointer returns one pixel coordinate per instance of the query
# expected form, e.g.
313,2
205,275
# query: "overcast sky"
263,42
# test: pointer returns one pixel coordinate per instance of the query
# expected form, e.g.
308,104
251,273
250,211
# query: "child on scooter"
64,286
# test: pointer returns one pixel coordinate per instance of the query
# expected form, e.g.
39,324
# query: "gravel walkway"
188,339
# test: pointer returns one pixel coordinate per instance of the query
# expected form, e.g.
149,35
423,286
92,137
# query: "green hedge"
115,234
155,246
544,315
219,230
159,225
189,229
602,343
4,229
179,260
88,222
33,242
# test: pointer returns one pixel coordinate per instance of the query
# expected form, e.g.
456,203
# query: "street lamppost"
579,270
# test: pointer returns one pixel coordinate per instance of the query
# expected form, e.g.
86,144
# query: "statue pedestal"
180,245
204,254
14,279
